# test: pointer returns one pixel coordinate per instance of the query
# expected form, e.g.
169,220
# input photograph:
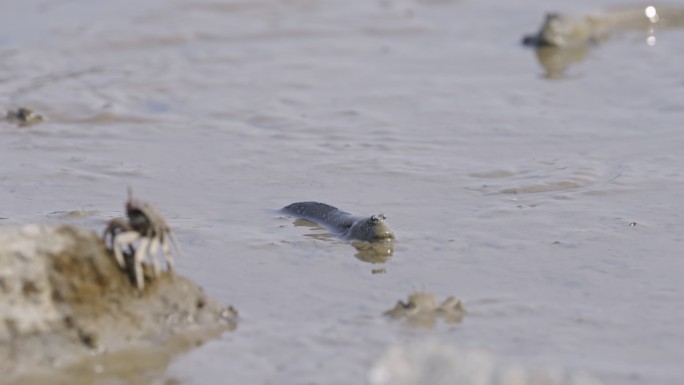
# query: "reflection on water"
374,252
320,234
377,252
556,60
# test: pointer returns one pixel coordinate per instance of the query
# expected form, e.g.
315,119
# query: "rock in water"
63,298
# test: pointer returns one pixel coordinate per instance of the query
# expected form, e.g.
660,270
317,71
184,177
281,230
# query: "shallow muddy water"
550,203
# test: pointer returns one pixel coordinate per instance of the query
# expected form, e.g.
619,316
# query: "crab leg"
166,249
120,240
154,250
138,263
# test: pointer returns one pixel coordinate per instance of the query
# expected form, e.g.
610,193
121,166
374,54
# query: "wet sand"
549,206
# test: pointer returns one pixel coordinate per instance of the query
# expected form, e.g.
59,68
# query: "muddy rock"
63,299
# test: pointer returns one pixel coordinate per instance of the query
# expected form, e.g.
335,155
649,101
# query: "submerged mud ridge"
63,299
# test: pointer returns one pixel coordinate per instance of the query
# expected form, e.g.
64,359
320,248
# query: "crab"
23,117
146,224
423,309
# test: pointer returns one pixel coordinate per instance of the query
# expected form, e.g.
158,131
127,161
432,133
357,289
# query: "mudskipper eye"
374,218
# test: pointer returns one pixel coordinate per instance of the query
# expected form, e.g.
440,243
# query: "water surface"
550,206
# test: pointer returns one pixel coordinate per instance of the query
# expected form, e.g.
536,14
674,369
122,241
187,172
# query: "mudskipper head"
371,229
